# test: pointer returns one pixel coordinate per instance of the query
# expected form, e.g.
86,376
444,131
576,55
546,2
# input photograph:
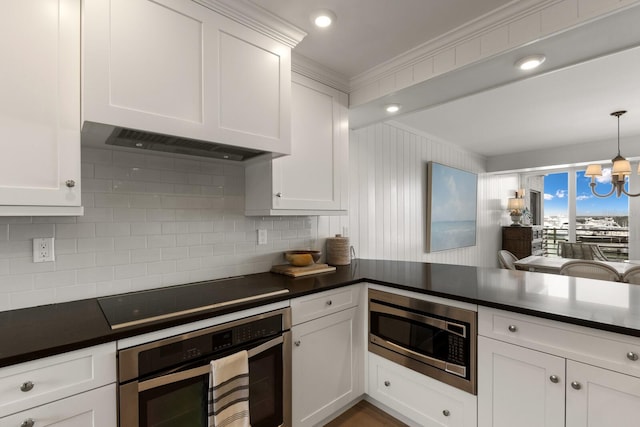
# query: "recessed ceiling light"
530,62
392,108
323,18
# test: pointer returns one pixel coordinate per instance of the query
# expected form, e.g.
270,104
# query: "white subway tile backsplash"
29,231
111,200
71,293
32,298
129,271
146,255
149,221
98,244
163,267
133,242
191,239
112,258
94,275
26,265
19,249
112,229
146,228
66,246
74,261
71,231
54,279
129,215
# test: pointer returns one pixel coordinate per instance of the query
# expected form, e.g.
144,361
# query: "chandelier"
619,172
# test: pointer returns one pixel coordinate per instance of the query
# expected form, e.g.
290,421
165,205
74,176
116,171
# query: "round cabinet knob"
26,386
513,328
446,413
554,379
28,423
278,194
329,302
70,183
632,356
576,385
297,343
387,383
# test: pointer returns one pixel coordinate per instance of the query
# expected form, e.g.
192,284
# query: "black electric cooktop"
147,306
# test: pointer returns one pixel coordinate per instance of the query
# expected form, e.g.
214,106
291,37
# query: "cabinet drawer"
95,408
605,349
317,305
422,399
41,381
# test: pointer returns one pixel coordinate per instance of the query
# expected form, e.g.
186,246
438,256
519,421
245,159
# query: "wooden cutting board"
293,271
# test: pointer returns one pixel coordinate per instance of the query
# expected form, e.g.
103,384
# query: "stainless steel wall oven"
434,339
165,382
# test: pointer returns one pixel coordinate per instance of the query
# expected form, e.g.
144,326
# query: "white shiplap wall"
387,207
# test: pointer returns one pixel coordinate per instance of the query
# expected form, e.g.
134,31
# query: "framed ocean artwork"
451,207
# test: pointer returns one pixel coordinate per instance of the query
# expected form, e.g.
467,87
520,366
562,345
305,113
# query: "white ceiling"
568,104
370,32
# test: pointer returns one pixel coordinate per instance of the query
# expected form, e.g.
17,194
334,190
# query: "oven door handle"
201,370
440,324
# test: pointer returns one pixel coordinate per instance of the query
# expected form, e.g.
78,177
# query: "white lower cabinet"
327,356
94,408
423,400
598,397
539,373
518,386
325,366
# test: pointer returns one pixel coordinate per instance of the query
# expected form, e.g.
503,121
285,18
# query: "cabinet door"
314,176
598,397
95,408
518,386
40,103
324,366
178,68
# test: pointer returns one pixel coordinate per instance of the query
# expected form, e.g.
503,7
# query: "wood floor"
364,414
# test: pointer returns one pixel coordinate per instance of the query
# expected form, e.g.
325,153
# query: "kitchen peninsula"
548,306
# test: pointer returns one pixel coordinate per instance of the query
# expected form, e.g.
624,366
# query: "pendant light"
619,172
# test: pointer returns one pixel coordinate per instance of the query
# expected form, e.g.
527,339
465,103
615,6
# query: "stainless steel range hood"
105,136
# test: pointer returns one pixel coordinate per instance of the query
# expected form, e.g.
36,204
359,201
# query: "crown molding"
318,72
258,19
484,24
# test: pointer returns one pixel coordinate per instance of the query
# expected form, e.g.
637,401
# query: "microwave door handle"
379,308
201,370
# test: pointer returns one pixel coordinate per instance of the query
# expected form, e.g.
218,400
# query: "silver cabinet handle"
576,385
329,302
297,343
387,383
446,413
278,194
70,183
26,386
28,423
632,356
513,328
554,379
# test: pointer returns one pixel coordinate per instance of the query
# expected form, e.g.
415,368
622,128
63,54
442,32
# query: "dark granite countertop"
32,333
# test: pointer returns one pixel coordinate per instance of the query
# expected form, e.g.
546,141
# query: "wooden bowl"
301,258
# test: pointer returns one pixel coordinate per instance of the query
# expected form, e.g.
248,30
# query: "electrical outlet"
262,237
43,250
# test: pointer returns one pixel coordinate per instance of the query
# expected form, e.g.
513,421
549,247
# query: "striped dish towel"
229,391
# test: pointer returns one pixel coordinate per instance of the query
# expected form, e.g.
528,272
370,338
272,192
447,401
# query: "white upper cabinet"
178,68
314,178
40,107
